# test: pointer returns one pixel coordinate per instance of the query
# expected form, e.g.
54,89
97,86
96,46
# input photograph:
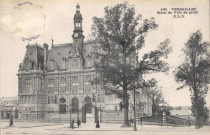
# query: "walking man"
78,123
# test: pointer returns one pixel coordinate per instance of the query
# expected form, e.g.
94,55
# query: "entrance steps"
90,121
90,118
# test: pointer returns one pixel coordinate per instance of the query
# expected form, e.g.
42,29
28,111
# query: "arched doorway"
88,105
62,108
75,105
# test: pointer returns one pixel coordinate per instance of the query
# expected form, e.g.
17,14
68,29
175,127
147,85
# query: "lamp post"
83,113
100,114
134,110
71,126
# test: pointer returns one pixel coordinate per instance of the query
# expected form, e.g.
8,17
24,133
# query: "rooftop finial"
78,8
52,42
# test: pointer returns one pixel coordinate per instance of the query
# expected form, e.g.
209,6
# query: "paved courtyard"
37,128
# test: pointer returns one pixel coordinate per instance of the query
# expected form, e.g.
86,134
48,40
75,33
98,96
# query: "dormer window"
63,63
88,60
51,64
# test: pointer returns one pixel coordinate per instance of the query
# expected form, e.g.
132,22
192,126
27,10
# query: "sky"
54,19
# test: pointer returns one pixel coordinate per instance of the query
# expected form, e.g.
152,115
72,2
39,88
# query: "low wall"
114,116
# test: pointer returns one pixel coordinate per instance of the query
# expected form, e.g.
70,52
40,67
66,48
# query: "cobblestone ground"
40,128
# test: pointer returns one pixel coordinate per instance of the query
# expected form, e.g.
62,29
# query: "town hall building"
54,81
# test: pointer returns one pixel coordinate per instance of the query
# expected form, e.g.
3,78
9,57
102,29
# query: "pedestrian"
189,123
141,120
131,121
11,121
97,124
78,123
72,124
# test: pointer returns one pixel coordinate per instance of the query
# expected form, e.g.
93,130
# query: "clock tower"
78,36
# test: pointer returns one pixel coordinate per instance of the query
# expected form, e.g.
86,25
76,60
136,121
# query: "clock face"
75,34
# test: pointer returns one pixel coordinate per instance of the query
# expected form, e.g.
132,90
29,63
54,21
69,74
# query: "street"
37,128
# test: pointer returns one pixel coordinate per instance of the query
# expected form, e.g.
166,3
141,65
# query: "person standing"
73,124
97,124
11,121
131,121
78,123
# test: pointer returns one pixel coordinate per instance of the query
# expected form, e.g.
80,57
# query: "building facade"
8,107
57,80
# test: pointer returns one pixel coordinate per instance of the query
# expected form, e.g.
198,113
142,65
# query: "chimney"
45,55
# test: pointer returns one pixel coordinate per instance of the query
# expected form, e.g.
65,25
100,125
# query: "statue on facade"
20,66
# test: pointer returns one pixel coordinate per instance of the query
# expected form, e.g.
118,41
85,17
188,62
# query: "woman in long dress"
11,121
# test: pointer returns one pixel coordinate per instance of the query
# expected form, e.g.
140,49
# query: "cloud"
25,21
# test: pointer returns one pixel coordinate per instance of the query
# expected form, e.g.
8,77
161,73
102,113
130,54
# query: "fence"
175,120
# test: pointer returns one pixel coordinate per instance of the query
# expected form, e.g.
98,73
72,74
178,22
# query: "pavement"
42,128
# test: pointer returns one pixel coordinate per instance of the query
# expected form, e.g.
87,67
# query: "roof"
77,15
62,51
37,45
34,57
8,98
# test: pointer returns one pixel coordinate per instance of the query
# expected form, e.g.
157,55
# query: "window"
51,85
75,84
64,63
28,85
51,64
55,100
74,88
87,84
48,100
62,85
88,61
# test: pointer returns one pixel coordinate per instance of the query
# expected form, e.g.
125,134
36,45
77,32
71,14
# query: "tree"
194,73
157,99
120,37
158,102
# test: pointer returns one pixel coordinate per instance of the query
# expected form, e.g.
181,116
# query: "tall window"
62,85
52,64
75,84
55,100
29,85
78,24
87,84
64,63
51,85
48,100
88,61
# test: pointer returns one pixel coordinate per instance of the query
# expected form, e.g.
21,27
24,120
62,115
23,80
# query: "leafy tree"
121,35
158,102
202,110
194,73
